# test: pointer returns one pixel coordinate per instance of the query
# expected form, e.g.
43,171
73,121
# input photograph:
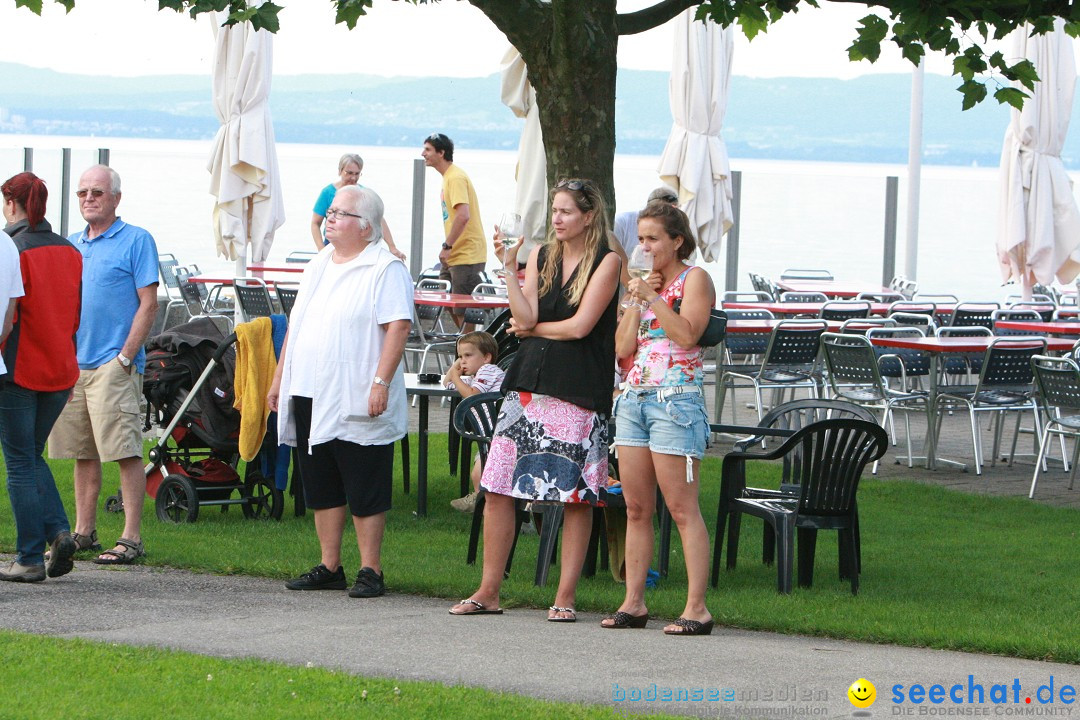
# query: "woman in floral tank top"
661,425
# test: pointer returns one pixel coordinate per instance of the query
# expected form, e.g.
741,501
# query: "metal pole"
28,159
911,260
103,156
416,248
888,263
65,190
731,269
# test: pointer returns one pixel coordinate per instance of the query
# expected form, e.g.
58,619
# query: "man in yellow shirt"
464,253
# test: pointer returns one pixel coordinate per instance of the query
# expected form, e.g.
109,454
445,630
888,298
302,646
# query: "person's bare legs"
639,492
329,524
369,536
681,499
87,491
498,538
577,527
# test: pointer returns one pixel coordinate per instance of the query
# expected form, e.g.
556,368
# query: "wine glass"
639,266
510,230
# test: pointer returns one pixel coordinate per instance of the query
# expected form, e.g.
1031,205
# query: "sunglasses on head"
575,185
436,138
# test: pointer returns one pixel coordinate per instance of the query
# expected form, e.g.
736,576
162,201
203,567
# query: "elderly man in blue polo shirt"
101,423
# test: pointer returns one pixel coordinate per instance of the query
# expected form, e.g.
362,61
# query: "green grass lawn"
178,685
940,569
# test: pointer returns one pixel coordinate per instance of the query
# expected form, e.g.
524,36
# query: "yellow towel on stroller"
255,367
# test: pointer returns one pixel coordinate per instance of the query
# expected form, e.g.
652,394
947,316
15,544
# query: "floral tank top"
660,361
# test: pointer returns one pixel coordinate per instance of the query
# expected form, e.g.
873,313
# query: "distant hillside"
860,120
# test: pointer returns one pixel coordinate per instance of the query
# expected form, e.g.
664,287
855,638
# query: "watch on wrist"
125,362
446,246
379,381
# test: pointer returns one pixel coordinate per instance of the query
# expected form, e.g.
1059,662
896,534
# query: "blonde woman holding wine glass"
550,442
661,425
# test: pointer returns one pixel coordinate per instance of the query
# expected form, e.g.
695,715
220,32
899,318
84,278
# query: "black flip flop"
691,627
570,610
480,609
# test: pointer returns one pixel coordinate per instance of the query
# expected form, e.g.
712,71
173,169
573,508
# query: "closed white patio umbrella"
243,166
530,199
695,159
1038,222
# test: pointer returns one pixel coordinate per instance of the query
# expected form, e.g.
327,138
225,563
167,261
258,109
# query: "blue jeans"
26,417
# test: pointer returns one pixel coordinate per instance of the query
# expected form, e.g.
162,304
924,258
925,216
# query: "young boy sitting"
474,372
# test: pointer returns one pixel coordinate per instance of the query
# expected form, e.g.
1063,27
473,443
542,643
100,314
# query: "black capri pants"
340,472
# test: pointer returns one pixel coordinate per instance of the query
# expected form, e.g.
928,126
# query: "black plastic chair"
832,457
804,297
474,420
783,420
1058,383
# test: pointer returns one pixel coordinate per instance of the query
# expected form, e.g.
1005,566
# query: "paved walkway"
406,637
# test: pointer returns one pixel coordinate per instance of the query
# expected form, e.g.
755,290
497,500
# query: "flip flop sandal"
691,627
132,551
624,620
479,609
555,608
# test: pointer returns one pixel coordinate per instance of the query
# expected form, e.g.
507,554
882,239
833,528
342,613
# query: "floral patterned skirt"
547,449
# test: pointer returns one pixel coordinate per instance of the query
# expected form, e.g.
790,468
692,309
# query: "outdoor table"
424,391
460,301
938,346
1054,328
219,278
788,309
288,267
832,288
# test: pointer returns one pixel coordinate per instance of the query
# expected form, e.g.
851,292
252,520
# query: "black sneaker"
368,584
319,578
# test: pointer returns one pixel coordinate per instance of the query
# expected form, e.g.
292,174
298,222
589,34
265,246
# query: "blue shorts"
675,426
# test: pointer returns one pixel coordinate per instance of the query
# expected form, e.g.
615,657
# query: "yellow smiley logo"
862,693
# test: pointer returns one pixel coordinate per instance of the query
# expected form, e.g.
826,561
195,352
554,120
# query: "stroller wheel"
114,504
176,500
264,500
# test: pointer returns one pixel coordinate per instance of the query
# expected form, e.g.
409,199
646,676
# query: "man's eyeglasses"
574,185
334,214
94,193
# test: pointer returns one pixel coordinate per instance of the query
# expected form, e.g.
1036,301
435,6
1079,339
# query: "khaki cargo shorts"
102,420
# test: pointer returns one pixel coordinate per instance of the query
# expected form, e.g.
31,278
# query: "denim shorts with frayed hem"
677,425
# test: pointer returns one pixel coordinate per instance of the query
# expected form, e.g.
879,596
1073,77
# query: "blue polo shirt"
115,265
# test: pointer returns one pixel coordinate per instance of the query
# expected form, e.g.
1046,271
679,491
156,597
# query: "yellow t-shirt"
470,247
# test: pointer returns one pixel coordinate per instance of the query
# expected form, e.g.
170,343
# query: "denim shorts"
675,426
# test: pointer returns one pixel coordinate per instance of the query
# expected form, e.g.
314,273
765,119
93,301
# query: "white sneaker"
465,504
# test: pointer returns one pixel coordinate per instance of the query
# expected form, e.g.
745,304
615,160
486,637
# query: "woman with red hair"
41,370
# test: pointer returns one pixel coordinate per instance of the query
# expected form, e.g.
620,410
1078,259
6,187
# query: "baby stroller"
189,392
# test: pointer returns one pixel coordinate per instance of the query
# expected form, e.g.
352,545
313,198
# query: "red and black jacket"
40,351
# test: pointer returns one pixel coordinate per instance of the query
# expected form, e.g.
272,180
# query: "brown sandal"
86,542
132,551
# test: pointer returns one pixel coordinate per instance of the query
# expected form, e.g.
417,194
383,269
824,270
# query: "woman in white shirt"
339,389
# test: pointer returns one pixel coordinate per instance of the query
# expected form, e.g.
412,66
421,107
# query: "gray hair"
665,193
348,158
367,204
114,177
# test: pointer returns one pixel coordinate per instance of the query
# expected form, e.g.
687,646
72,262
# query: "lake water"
794,214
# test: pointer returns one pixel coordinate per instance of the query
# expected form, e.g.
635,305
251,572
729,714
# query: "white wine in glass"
640,267
511,228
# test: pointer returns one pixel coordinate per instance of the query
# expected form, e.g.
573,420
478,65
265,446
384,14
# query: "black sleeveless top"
582,371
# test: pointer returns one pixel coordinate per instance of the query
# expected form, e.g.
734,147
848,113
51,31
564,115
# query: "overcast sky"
451,38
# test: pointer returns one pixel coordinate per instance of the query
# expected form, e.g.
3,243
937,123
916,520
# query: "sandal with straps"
557,609
82,542
132,551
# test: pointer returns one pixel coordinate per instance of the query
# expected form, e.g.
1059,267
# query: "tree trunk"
570,49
